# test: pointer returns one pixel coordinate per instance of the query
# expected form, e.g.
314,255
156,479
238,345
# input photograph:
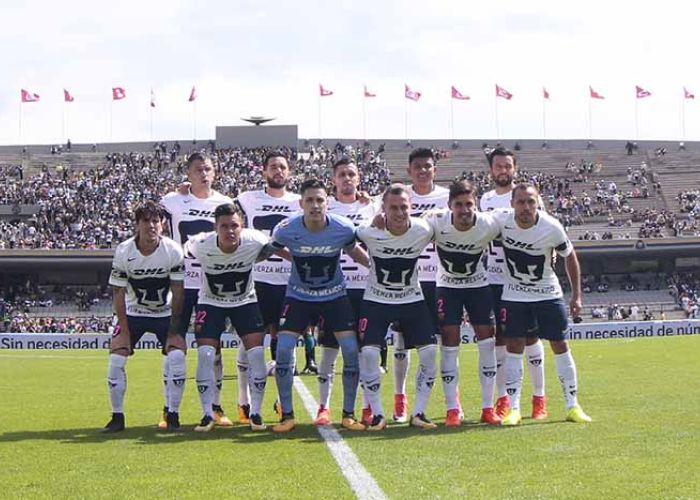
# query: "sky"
267,58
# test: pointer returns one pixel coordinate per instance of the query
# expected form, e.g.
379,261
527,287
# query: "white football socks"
566,371
514,378
501,371
449,371
242,364
176,380
258,378
326,373
535,361
371,377
205,377
116,381
487,370
402,361
425,376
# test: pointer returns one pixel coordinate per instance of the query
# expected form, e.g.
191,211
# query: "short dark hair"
458,188
524,186
421,153
343,162
148,210
226,209
396,188
312,184
274,154
197,157
501,152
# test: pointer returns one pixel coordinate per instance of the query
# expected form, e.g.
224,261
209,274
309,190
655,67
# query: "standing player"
263,210
532,294
147,274
503,167
425,195
393,294
461,236
189,214
227,257
316,289
346,180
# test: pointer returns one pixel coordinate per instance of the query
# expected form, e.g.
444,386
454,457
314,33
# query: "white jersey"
496,271
460,252
528,257
436,199
227,276
263,212
147,277
189,215
392,274
361,214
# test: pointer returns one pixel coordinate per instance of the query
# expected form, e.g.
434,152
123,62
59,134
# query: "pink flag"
501,92
67,97
687,94
545,94
413,95
456,94
324,92
153,99
193,94
368,93
641,92
29,96
594,94
118,93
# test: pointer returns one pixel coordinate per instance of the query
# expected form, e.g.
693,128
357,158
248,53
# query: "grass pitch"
643,394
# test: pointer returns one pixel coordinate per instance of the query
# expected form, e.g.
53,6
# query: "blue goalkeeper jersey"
316,274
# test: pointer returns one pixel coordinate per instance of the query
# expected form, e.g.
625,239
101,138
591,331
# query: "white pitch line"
360,480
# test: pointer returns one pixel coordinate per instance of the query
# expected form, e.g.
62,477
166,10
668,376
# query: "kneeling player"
533,294
227,257
145,269
461,236
393,294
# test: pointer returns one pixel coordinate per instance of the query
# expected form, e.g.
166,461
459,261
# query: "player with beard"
462,234
190,211
425,195
503,167
263,210
532,295
147,274
350,203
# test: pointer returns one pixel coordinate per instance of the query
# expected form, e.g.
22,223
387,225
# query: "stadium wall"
580,331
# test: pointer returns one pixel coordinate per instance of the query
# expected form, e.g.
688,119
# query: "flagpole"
364,117
544,118
683,117
63,122
151,124
590,118
452,119
498,128
111,119
636,118
20,122
319,117
194,120
405,109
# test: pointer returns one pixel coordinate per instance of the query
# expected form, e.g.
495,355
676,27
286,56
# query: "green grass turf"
644,443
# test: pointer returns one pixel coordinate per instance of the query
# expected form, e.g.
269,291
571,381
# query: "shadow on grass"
150,435
240,434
